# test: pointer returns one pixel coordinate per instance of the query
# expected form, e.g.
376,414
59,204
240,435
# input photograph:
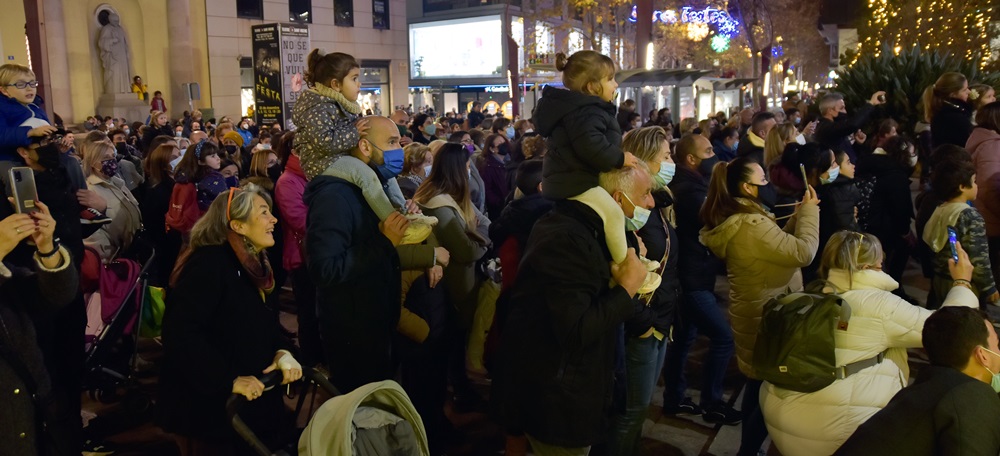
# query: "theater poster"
279,61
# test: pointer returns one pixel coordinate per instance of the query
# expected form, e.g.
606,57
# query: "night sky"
844,12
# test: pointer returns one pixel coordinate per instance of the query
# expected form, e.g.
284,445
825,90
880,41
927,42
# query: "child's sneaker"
91,216
419,229
650,265
651,283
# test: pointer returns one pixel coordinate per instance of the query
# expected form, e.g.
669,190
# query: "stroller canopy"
375,419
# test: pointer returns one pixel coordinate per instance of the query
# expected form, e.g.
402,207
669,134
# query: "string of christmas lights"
961,27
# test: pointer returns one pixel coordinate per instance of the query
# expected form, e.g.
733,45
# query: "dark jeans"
305,299
701,313
643,362
754,429
897,254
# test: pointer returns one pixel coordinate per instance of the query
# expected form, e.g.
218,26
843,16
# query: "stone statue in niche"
115,55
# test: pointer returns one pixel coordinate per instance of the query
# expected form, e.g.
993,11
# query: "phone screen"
805,177
952,240
22,183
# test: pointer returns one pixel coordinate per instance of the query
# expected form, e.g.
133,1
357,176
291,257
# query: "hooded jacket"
952,124
984,145
583,141
16,120
971,233
817,423
510,232
762,261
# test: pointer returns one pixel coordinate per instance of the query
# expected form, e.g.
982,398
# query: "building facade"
176,43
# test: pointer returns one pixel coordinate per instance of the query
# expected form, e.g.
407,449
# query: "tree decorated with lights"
961,27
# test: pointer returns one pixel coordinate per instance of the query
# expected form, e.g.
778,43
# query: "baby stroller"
375,419
114,294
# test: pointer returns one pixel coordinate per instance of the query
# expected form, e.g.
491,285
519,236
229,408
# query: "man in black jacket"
352,260
835,127
950,409
557,352
700,309
475,116
752,143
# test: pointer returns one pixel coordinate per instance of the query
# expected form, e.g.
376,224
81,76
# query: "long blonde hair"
777,138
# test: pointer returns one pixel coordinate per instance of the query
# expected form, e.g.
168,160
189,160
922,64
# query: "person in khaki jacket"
762,260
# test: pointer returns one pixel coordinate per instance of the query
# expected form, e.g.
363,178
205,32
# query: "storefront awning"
731,84
656,78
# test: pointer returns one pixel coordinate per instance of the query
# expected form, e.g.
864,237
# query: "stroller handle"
270,380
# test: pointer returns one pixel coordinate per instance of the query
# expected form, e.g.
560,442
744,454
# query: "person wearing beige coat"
762,261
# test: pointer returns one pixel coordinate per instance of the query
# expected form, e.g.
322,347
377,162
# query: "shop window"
343,13
251,9
300,11
380,14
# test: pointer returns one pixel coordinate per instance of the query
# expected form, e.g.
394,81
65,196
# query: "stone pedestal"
125,105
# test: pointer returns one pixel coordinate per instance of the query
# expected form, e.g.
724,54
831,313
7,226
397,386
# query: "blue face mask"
430,129
393,162
639,216
833,173
176,161
666,174
233,182
510,132
736,145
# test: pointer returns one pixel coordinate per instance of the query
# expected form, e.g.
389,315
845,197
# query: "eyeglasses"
24,85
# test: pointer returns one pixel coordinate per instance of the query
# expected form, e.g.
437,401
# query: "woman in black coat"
217,334
838,202
159,124
947,107
889,208
29,423
154,206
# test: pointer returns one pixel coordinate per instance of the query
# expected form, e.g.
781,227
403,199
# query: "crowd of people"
610,229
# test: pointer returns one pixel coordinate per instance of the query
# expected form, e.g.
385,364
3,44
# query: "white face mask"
530,130
427,171
801,139
913,161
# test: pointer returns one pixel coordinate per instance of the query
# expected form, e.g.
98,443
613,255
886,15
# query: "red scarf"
258,267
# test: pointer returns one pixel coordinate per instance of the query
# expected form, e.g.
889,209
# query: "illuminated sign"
712,16
496,89
474,48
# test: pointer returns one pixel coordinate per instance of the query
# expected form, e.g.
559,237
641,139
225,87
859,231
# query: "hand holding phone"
805,177
952,241
22,183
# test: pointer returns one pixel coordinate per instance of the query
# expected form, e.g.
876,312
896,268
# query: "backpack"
183,211
795,347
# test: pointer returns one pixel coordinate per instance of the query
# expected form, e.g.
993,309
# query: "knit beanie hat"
235,137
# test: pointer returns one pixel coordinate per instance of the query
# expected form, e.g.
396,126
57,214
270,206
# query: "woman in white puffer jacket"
817,423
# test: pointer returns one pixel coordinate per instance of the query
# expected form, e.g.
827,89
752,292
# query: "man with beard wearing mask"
61,335
700,311
353,262
836,127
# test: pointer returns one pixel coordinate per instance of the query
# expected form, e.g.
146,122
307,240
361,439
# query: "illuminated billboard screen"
459,48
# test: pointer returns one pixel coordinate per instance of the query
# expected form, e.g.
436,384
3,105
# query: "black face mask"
767,195
706,165
504,149
231,149
840,117
274,173
48,156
